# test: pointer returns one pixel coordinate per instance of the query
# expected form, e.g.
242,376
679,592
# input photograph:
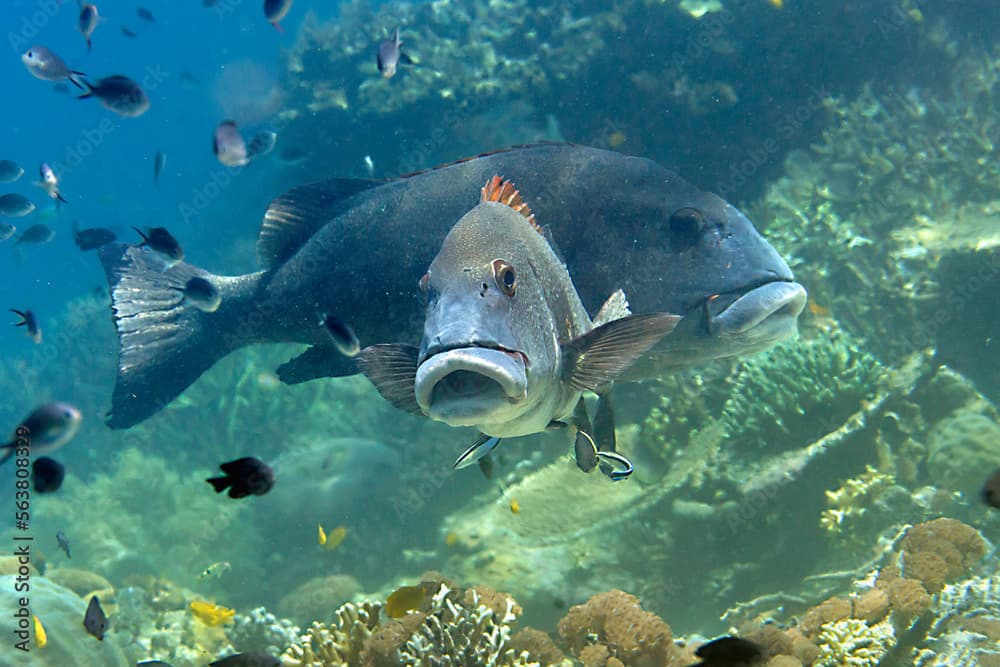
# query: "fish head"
710,264
489,353
36,58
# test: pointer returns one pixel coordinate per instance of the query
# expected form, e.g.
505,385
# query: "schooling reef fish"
390,55
621,222
507,346
30,324
729,652
87,21
119,94
95,621
43,64
10,171
63,543
244,477
47,474
45,430
14,205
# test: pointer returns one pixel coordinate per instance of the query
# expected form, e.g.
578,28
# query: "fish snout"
470,385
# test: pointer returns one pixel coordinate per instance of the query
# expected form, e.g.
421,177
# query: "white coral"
854,643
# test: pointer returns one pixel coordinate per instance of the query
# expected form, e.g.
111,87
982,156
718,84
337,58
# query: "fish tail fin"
277,26
7,452
75,78
59,198
220,484
88,45
164,342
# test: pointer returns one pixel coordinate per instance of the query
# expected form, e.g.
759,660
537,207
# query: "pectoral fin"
480,449
392,368
319,361
598,356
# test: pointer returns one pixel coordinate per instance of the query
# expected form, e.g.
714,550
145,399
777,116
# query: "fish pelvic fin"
600,355
615,308
503,191
392,368
164,341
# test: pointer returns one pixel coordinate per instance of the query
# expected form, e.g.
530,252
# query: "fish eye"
503,274
685,227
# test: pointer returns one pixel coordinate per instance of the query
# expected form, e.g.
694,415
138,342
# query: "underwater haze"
248,422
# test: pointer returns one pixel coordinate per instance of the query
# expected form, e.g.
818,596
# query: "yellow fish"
777,4
41,639
404,600
332,540
451,539
515,507
211,614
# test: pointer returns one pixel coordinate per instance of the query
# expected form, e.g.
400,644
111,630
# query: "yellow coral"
848,501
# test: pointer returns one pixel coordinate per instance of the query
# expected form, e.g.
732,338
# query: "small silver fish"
228,145
87,22
48,427
119,94
6,230
50,183
43,64
13,205
36,235
390,55
10,171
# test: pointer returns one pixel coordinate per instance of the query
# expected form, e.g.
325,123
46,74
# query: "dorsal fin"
295,216
499,190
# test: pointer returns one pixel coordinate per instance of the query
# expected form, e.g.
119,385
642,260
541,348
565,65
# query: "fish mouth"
760,316
471,384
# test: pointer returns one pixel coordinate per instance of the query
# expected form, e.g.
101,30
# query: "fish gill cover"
822,501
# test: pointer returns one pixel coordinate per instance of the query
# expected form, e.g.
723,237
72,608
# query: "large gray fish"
507,346
47,66
351,248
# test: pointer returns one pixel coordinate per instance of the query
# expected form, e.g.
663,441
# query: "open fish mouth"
760,316
465,386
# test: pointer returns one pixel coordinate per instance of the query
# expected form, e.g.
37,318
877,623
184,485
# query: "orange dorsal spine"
502,191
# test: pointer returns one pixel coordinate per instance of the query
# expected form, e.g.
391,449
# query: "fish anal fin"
503,191
600,355
392,368
292,218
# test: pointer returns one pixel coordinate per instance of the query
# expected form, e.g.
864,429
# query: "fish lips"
465,386
760,316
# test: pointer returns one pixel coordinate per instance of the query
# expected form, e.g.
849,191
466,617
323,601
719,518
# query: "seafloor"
820,498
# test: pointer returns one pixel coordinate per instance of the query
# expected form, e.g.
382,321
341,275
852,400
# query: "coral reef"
848,501
902,180
316,597
811,388
263,632
470,627
61,611
935,552
612,629
854,643
150,504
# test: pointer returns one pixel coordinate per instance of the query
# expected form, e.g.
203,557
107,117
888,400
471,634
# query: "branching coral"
457,635
337,644
848,502
854,643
